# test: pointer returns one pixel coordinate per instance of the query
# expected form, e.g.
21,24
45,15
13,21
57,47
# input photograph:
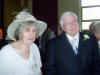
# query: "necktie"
74,45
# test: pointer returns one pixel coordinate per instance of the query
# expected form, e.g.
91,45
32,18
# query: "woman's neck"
22,49
21,45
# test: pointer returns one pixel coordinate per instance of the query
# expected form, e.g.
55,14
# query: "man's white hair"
66,14
94,23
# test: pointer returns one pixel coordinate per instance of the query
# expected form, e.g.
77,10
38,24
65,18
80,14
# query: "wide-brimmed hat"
21,18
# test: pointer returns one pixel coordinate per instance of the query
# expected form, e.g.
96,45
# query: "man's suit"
62,60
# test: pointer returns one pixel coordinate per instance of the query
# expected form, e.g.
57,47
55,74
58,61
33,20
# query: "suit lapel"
82,52
66,45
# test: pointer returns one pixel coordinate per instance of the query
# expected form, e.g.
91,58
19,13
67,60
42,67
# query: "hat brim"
40,25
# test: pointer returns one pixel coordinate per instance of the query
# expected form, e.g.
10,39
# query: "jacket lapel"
66,45
82,52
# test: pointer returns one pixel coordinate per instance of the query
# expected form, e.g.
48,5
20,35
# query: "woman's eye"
34,30
27,29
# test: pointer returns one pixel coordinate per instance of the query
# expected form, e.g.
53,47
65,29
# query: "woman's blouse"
13,64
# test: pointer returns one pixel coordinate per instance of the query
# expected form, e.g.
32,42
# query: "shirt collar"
70,37
76,37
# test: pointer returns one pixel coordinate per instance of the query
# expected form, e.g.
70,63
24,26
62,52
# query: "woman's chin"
29,42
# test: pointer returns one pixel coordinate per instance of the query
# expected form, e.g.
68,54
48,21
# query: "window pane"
90,2
90,13
85,25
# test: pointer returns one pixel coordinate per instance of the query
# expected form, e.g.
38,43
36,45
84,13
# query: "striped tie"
74,46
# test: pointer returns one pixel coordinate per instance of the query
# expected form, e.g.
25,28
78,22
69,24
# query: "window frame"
90,20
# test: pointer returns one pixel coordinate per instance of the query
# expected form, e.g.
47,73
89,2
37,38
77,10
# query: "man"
65,59
95,30
91,27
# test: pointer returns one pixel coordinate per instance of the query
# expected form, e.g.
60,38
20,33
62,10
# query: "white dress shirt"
71,38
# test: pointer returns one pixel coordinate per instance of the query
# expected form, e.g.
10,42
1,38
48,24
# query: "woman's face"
27,34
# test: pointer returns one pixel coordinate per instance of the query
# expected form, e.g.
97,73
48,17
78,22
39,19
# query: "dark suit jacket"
61,59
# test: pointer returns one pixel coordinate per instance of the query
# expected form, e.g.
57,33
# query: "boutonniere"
86,37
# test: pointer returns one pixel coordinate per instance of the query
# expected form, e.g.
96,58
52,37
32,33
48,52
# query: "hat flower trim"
86,37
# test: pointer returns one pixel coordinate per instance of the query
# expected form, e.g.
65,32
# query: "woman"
22,57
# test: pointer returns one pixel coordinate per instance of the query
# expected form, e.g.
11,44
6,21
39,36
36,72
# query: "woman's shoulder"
35,51
5,49
34,47
5,52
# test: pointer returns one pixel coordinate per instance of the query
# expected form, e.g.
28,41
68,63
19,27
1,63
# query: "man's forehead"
68,18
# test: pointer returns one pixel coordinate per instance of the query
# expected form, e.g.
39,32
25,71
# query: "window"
90,12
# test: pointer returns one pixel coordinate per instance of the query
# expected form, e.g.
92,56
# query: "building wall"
45,10
69,5
1,14
9,8
12,7
30,6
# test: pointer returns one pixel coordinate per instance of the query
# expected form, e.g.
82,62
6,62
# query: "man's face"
70,25
92,29
97,35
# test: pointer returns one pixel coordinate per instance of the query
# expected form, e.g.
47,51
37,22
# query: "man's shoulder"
87,36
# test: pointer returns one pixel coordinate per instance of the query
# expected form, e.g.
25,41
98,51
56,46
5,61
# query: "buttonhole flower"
86,37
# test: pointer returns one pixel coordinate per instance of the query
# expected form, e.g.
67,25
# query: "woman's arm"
41,73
